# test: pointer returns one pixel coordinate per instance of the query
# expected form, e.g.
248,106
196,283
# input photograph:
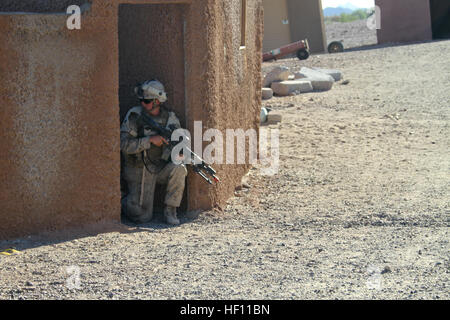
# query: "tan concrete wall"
59,165
232,97
276,34
42,6
60,130
306,22
404,21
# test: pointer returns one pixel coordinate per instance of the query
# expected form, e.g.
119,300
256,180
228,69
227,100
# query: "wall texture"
42,6
59,98
276,34
59,165
404,21
305,22
151,45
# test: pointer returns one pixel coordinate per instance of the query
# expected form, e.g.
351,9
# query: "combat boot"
170,213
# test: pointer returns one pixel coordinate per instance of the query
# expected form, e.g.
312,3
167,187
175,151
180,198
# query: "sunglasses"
148,101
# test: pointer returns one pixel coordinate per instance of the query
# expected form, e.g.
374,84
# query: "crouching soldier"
146,158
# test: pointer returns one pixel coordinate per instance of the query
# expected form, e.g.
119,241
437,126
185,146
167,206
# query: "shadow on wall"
440,18
151,46
40,6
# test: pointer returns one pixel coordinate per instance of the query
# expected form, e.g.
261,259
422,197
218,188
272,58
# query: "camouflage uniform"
137,200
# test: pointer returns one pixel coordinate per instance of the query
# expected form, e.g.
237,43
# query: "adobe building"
63,93
413,20
287,21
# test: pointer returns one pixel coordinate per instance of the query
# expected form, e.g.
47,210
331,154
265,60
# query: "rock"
386,269
242,186
320,81
299,75
263,115
267,93
336,74
345,82
273,118
285,88
276,75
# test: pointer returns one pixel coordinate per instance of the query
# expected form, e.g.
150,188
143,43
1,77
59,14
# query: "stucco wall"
305,22
58,136
42,6
60,163
276,34
234,79
404,21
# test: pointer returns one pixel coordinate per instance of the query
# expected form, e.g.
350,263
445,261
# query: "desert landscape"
359,208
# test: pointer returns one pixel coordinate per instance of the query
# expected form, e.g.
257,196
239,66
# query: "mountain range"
346,8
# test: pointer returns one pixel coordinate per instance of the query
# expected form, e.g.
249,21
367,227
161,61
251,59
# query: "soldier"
146,158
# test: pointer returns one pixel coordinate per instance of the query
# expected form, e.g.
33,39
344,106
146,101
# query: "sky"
358,3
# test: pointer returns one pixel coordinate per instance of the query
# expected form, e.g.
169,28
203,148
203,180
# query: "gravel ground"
358,210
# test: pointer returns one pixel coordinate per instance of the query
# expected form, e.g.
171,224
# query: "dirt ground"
358,210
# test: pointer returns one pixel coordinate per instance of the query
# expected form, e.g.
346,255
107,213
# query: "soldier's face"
153,107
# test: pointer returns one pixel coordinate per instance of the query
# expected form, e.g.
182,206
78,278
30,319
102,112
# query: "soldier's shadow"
158,222
93,230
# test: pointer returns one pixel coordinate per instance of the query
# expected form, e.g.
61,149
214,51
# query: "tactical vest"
153,155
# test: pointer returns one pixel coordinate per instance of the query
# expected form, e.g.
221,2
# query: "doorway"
151,46
440,18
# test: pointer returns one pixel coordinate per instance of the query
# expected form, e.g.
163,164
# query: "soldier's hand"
158,141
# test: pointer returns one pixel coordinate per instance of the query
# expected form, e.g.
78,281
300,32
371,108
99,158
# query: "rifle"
201,168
